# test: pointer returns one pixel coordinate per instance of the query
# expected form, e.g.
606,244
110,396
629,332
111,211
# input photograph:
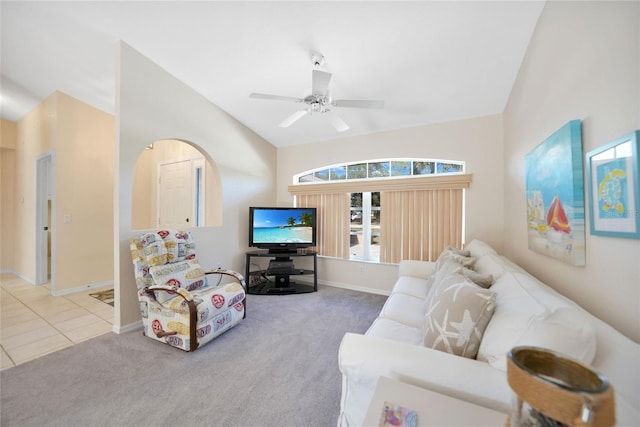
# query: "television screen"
285,228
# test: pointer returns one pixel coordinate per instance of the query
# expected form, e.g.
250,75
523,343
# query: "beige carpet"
276,368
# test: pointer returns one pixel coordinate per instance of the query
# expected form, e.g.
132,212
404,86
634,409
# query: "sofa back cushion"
478,248
496,265
530,313
458,312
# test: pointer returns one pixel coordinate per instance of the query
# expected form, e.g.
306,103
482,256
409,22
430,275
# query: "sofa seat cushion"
458,312
412,286
404,309
395,331
530,313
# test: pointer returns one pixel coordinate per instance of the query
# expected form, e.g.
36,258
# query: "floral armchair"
181,304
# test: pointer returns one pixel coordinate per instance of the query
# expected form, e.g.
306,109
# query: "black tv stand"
276,279
279,252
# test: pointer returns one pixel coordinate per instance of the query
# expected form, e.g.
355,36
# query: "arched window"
379,169
386,210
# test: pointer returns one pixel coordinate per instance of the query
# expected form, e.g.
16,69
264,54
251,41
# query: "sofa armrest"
421,269
363,359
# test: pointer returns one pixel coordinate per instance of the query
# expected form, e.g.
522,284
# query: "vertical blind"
419,224
419,216
332,222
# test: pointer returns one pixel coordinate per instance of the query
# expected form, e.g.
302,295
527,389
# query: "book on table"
397,416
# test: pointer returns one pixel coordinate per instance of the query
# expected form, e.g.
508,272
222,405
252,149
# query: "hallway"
34,323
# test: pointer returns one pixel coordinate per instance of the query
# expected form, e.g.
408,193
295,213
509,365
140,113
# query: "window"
385,210
376,169
364,230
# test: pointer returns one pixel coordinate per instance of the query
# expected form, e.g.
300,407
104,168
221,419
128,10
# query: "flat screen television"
282,230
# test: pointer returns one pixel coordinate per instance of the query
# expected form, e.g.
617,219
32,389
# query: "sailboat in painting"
555,200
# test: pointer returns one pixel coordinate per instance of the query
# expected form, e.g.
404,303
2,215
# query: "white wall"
81,138
8,142
476,141
152,105
583,63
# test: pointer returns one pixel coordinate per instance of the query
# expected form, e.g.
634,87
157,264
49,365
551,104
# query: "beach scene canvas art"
555,196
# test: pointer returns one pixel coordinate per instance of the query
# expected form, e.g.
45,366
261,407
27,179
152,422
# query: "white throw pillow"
478,248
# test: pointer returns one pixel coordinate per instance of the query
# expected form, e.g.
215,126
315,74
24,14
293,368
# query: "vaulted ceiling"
430,61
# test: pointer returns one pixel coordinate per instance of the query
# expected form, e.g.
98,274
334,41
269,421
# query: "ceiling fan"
320,99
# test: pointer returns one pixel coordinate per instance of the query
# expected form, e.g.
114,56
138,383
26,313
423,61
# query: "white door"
45,200
175,195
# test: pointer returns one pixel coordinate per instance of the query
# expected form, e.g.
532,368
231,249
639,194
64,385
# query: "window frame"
371,169
430,182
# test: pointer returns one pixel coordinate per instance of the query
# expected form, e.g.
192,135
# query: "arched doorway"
175,185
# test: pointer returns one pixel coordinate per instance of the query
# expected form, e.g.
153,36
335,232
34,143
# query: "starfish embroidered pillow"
458,312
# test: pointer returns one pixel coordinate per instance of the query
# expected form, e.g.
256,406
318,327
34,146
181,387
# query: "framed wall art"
555,196
614,186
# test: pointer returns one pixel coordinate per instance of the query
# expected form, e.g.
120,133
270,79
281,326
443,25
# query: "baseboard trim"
57,293
346,286
19,275
135,326
357,288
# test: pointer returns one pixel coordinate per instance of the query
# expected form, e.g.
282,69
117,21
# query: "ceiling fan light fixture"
317,59
320,99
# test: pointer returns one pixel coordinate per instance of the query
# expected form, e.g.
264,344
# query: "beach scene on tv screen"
282,226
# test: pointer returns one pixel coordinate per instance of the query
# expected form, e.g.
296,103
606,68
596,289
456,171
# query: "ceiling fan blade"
320,82
355,103
293,118
337,122
274,97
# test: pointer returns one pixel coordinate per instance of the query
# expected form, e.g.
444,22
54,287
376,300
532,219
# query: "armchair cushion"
152,249
211,301
166,246
183,274
179,244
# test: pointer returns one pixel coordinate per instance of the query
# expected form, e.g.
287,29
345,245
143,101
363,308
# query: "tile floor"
34,323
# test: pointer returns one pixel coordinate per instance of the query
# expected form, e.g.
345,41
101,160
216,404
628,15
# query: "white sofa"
526,312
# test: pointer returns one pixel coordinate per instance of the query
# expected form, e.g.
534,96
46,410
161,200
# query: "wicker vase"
551,390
